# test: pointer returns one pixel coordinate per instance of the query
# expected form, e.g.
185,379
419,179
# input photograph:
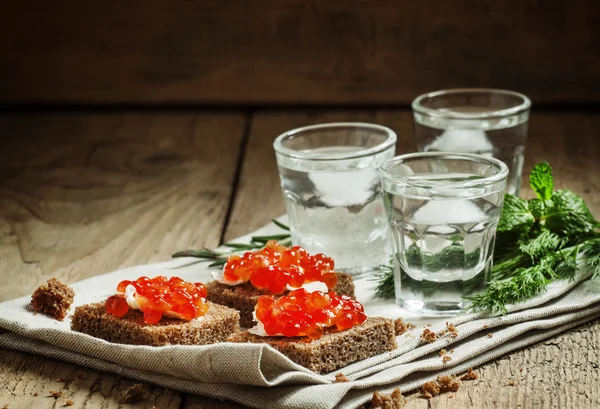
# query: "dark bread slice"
218,323
53,298
335,349
243,297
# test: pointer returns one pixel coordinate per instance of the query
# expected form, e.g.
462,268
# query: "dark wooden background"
270,52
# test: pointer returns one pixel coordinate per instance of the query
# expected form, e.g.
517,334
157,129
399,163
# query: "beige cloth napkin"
256,374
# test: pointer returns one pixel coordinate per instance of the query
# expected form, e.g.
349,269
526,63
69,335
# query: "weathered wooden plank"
86,194
294,51
82,195
561,372
27,382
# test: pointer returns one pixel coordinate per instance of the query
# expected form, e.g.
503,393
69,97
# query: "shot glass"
443,210
488,122
330,181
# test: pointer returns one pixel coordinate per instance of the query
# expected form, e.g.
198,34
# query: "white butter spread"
259,328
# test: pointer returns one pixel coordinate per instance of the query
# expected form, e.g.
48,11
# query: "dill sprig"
527,282
218,259
537,241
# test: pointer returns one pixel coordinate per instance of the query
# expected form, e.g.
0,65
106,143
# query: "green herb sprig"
538,241
218,259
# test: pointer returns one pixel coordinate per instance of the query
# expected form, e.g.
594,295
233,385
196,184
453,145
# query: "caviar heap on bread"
277,268
274,270
304,314
158,296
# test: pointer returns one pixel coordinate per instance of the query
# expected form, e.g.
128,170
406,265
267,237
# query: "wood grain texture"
27,381
294,51
82,195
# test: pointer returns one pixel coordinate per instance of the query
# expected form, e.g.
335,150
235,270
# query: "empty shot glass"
488,122
330,179
443,210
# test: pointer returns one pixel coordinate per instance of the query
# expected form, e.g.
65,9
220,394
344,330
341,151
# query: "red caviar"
301,313
275,267
157,296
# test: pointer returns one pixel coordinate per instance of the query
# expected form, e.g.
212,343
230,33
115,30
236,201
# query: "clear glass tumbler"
330,181
443,210
488,122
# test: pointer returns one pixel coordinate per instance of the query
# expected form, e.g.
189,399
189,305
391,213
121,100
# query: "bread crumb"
451,351
5,406
452,329
510,383
485,326
469,376
448,383
394,400
55,394
452,396
490,335
340,377
81,375
429,324
442,352
446,359
35,394
520,369
69,402
53,298
428,335
60,379
430,389
402,327
133,394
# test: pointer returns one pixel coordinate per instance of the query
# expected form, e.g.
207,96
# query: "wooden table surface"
84,193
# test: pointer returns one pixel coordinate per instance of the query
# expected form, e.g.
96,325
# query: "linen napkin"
254,374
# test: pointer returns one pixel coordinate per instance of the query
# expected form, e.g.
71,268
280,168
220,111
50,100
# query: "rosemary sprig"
218,259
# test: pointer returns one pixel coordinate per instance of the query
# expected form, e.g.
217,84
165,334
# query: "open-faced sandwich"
274,270
157,311
320,331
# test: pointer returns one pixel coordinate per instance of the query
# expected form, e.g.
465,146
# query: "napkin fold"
253,374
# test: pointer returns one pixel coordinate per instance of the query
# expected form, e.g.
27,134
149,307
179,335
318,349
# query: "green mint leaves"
541,180
569,214
561,211
515,215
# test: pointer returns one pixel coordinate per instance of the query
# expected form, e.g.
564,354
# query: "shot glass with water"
487,122
443,210
330,179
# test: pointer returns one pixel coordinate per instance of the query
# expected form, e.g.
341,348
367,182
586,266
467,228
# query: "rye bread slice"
243,297
218,323
335,349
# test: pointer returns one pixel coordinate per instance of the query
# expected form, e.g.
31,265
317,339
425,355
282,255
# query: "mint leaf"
540,208
515,215
541,180
569,215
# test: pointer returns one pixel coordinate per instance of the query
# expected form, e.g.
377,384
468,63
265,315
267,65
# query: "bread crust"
243,297
218,323
335,349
